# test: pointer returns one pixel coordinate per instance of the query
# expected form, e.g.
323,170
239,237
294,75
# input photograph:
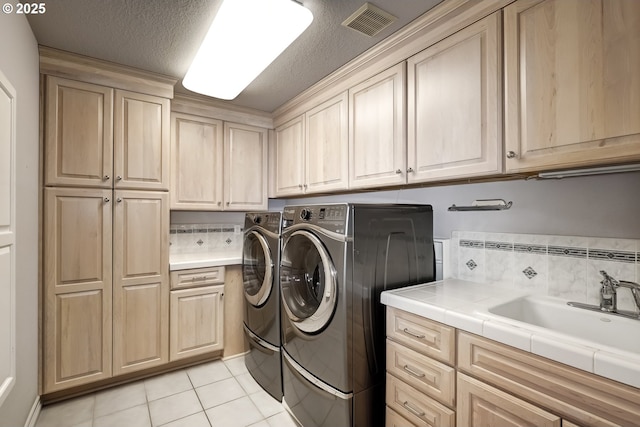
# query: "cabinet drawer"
482,405
415,406
197,277
425,336
392,419
433,378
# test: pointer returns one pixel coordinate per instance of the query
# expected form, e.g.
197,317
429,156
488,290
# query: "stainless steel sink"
553,314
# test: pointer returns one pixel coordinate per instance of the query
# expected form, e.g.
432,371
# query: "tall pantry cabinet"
106,220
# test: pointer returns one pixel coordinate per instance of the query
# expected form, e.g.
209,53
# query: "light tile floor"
214,394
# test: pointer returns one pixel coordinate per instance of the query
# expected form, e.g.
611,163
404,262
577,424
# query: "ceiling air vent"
369,20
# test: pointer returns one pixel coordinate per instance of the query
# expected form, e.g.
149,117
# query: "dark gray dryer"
260,275
336,260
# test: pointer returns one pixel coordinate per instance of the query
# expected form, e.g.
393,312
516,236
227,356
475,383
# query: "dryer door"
257,269
307,281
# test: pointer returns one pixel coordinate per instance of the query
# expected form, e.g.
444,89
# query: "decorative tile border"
535,249
603,254
477,244
567,251
499,246
621,256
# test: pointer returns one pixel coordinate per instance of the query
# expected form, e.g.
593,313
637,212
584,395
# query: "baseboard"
235,356
34,413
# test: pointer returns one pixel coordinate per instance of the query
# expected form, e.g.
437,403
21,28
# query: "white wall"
19,62
594,206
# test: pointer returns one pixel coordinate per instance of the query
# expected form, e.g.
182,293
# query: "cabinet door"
197,317
141,142
327,146
77,287
78,135
480,405
141,280
572,83
377,146
245,167
455,105
289,167
196,162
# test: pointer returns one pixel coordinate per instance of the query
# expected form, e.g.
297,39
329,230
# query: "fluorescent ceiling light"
589,171
244,38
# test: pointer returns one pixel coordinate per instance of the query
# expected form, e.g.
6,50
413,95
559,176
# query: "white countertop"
461,304
205,259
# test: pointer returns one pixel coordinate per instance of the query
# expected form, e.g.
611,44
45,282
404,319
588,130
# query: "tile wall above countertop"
204,245
562,266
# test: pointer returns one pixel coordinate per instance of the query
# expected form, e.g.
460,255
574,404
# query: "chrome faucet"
609,294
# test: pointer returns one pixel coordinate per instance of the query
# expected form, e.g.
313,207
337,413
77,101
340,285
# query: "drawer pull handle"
413,334
413,372
413,410
198,278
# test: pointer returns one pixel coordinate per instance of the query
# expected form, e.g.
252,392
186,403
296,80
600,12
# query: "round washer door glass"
307,281
257,269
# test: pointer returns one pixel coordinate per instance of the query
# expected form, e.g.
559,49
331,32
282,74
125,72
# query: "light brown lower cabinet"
196,320
140,281
495,385
106,287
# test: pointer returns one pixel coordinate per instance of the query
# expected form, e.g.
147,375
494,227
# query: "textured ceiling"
163,36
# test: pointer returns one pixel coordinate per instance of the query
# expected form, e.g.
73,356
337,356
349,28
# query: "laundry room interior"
413,214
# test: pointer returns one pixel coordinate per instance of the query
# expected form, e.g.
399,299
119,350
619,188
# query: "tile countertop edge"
185,262
433,302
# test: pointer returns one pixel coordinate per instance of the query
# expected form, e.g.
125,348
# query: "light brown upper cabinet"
289,153
217,165
78,134
96,136
141,141
572,81
455,105
326,154
196,162
312,150
245,167
377,146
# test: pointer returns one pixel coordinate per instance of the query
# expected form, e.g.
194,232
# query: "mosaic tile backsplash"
563,266
203,238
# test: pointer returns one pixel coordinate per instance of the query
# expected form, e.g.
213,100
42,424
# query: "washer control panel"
331,217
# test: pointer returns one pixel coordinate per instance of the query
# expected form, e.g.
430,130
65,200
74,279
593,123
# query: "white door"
7,237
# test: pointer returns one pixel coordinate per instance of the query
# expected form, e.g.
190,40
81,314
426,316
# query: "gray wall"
19,62
593,206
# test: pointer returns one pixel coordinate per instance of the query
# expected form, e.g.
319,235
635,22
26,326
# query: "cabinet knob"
119,178
409,170
228,203
107,177
106,200
305,186
119,200
300,186
398,171
219,203
511,154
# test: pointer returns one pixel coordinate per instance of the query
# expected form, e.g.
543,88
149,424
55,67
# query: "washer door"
257,269
308,282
